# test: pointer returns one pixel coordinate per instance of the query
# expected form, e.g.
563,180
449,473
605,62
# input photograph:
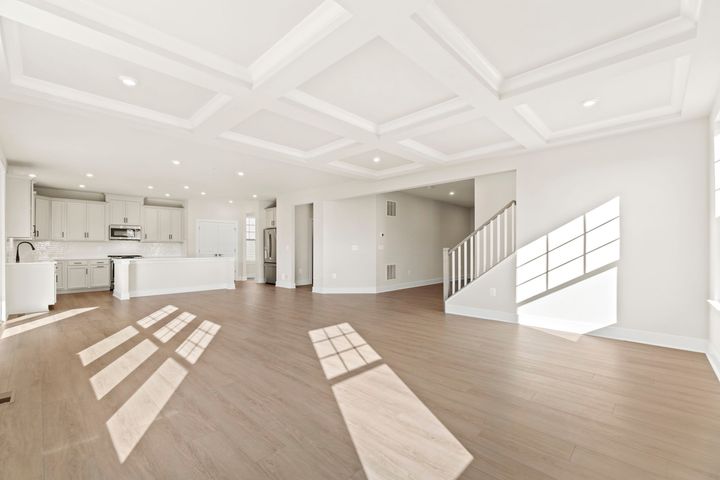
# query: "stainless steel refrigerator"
270,256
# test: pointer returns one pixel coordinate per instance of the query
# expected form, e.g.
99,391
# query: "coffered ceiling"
362,89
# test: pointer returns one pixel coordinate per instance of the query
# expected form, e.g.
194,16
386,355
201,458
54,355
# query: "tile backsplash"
48,250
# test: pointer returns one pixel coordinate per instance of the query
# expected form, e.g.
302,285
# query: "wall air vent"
391,208
390,272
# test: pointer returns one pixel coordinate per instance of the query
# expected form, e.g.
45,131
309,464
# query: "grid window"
717,175
250,238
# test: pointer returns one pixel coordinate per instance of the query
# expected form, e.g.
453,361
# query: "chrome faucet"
17,250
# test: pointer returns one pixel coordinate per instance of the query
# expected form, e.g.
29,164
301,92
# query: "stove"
124,256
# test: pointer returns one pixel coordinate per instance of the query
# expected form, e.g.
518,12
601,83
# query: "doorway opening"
304,245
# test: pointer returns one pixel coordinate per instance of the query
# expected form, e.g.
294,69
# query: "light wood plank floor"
256,404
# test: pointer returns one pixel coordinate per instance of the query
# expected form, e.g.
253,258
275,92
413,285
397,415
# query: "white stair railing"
477,253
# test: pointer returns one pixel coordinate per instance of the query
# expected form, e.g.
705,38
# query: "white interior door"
207,238
217,238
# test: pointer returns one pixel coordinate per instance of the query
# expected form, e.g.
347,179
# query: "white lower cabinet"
84,274
76,277
60,276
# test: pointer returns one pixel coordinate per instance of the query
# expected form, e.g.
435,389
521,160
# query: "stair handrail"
499,212
466,261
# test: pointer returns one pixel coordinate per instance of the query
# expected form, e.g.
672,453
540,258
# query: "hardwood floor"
256,404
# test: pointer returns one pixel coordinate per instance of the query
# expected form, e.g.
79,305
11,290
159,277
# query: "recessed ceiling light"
150,187
89,175
241,174
230,201
186,187
376,159
254,195
167,194
81,186
128,81
176,162
451,193
203,193
32,175
590,102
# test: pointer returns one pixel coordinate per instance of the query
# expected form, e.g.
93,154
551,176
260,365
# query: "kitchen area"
70,241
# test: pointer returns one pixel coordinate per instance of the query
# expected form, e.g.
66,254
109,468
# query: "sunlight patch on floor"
155,317
395,435
26,327
165,333
110,376
128,425
105,345
198,341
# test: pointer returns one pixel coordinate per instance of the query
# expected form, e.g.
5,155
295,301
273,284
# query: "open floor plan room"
360,239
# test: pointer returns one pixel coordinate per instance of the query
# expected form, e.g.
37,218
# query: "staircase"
480,251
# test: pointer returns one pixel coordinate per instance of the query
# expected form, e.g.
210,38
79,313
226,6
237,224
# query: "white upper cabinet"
78,220
43,223
150,225
19,207
270,217
163,224
124,211
97,226
58,219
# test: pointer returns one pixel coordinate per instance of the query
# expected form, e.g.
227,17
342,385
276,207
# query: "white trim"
170,291
284,284
343,290
692,344
481,313
713,356
405,285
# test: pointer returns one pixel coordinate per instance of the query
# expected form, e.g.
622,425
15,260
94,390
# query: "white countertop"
44,262
172,259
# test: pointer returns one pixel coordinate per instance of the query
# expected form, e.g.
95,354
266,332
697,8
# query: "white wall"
660,177
3,171
492,193
213,209
345,258
303,244
413,240
714,222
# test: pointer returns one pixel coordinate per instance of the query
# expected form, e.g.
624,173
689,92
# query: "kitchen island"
30,287
141,277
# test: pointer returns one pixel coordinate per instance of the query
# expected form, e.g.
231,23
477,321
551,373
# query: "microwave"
125,232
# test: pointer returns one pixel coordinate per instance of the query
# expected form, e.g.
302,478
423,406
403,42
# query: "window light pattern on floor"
341,349
155,317
131,421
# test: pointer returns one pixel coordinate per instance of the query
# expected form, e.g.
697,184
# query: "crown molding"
454,105
667,33
454,38
153,37
674,108
325,19
314,103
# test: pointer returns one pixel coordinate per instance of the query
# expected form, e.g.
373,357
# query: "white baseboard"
284,284
679,342
170,291
482,313
343,290
405,285
382,289
713,356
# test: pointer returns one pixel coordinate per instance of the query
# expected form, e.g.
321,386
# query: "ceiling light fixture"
89,175
241,174
176,162
254,195
203,193
590,103
150,187
167,194
376,159
451,193
230,201
81,186
128,81
186,187
32,175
